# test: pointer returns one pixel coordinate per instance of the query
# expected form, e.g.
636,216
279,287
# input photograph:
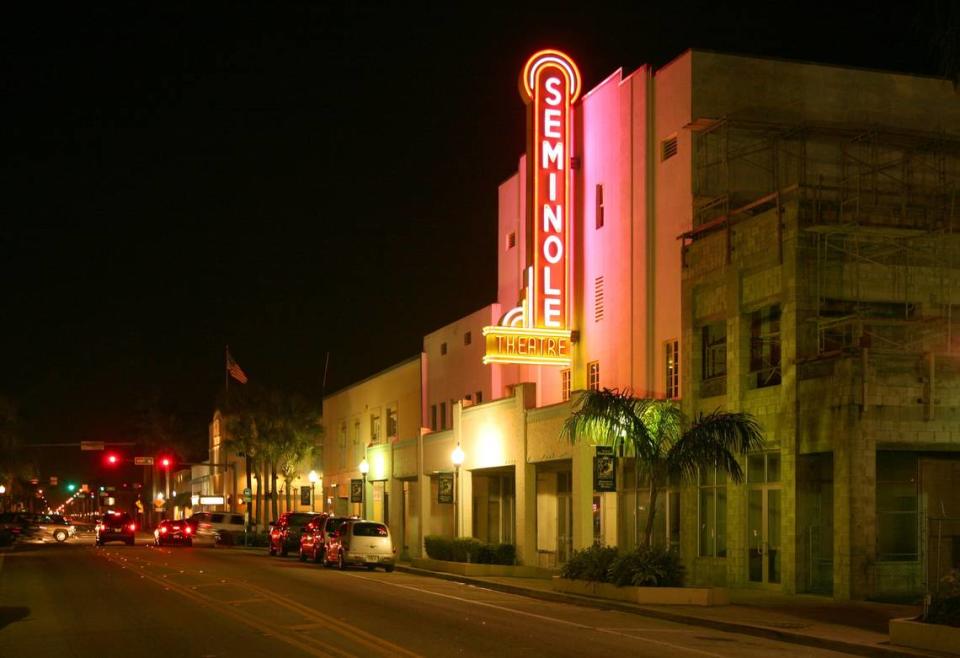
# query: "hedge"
468,549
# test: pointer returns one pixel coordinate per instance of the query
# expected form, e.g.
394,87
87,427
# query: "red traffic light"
112,459
165,462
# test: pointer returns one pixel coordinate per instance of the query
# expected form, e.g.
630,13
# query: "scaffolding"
877,207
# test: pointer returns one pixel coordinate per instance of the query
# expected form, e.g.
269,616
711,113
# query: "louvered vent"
598,299
668,148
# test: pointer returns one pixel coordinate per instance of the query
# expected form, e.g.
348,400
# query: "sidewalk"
856,627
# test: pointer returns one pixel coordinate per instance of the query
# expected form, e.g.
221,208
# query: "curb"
693,620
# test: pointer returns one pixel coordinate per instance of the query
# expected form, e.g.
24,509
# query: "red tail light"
188,530
163,530
133,526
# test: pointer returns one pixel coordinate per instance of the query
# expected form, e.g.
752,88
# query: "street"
78,600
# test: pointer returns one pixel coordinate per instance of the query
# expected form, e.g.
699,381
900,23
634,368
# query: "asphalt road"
78,600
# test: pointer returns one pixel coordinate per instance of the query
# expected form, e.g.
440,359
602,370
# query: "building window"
468,397
342,440
712,513
898,530
393,427
479,397
593,375
599,210
565,384
598,299
443,349
358,451
433,417
511,240
668,148
467,338
765,346
443,415
374,430
672,364
714,350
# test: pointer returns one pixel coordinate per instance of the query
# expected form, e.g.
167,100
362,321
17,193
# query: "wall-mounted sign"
549,85
604,469
445,489
212,500
143,461
305,495
356,491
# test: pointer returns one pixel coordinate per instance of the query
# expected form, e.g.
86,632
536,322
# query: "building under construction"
819,285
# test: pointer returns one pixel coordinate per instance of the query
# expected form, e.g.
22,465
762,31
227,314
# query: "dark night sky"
293,178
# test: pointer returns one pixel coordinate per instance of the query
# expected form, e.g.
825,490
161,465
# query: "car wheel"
190,543
99,543
340,563
371,567
129,542
272,550
60,536
316,555
302,556
389,568
283,549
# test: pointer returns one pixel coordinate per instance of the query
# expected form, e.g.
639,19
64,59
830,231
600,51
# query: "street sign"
143,461
54,480
34,481
91,445
247,495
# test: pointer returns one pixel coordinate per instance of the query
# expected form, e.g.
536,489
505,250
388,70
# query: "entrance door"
764,555
564,516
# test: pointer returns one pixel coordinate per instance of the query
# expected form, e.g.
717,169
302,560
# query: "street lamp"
457,458
313,477
364,469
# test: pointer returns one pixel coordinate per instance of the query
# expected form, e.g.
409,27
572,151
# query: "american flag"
235,370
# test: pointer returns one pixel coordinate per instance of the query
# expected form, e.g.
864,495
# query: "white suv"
209,527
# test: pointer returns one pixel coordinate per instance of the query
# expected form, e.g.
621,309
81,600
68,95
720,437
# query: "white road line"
514,611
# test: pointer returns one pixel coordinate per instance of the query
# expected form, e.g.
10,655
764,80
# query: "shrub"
589,564
467,549
439,548
945,605
646,567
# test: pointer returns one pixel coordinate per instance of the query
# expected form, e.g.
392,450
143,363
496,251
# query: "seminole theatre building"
730,232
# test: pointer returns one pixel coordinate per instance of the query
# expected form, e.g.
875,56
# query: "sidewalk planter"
470,569
929,637
706,596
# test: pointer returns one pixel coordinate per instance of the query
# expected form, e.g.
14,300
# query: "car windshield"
121,517
369,530
333,523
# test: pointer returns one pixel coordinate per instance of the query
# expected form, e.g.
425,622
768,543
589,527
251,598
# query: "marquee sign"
538,331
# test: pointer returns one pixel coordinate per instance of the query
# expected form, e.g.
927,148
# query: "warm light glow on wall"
379,471
489,448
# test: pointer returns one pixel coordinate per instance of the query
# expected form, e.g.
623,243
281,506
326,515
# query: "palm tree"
665,446
298,428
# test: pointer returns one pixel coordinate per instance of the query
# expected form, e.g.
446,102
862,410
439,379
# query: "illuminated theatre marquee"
538,331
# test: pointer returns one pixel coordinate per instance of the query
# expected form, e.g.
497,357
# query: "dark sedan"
116,526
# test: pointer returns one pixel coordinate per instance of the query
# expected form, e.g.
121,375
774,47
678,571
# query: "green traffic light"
71,487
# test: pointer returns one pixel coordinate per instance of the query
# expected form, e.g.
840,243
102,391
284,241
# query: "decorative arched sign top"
549,59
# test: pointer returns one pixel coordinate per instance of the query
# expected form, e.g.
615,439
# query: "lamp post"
457,458
3,504
364,469
313,477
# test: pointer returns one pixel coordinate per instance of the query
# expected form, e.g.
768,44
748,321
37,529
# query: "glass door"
764,517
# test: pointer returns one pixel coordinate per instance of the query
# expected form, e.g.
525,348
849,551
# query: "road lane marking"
348,631
534,615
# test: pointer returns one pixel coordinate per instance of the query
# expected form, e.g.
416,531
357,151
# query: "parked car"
285,532
14,524
216,527
313,538
52,526
361,542
116,526
171,531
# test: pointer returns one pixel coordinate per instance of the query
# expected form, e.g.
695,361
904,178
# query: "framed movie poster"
305,495
356,491
445,489
604,470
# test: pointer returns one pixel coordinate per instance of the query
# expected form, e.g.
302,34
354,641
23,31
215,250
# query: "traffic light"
166,462
71,487
112,459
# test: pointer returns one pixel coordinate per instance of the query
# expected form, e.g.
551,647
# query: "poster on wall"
445,490
604,470
305,495
356,491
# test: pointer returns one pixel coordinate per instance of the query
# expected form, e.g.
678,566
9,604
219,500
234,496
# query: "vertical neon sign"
550,84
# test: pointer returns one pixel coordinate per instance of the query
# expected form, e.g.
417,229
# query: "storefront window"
713,513
897,506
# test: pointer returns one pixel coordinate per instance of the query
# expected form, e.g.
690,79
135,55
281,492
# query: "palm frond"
609,417
716,439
